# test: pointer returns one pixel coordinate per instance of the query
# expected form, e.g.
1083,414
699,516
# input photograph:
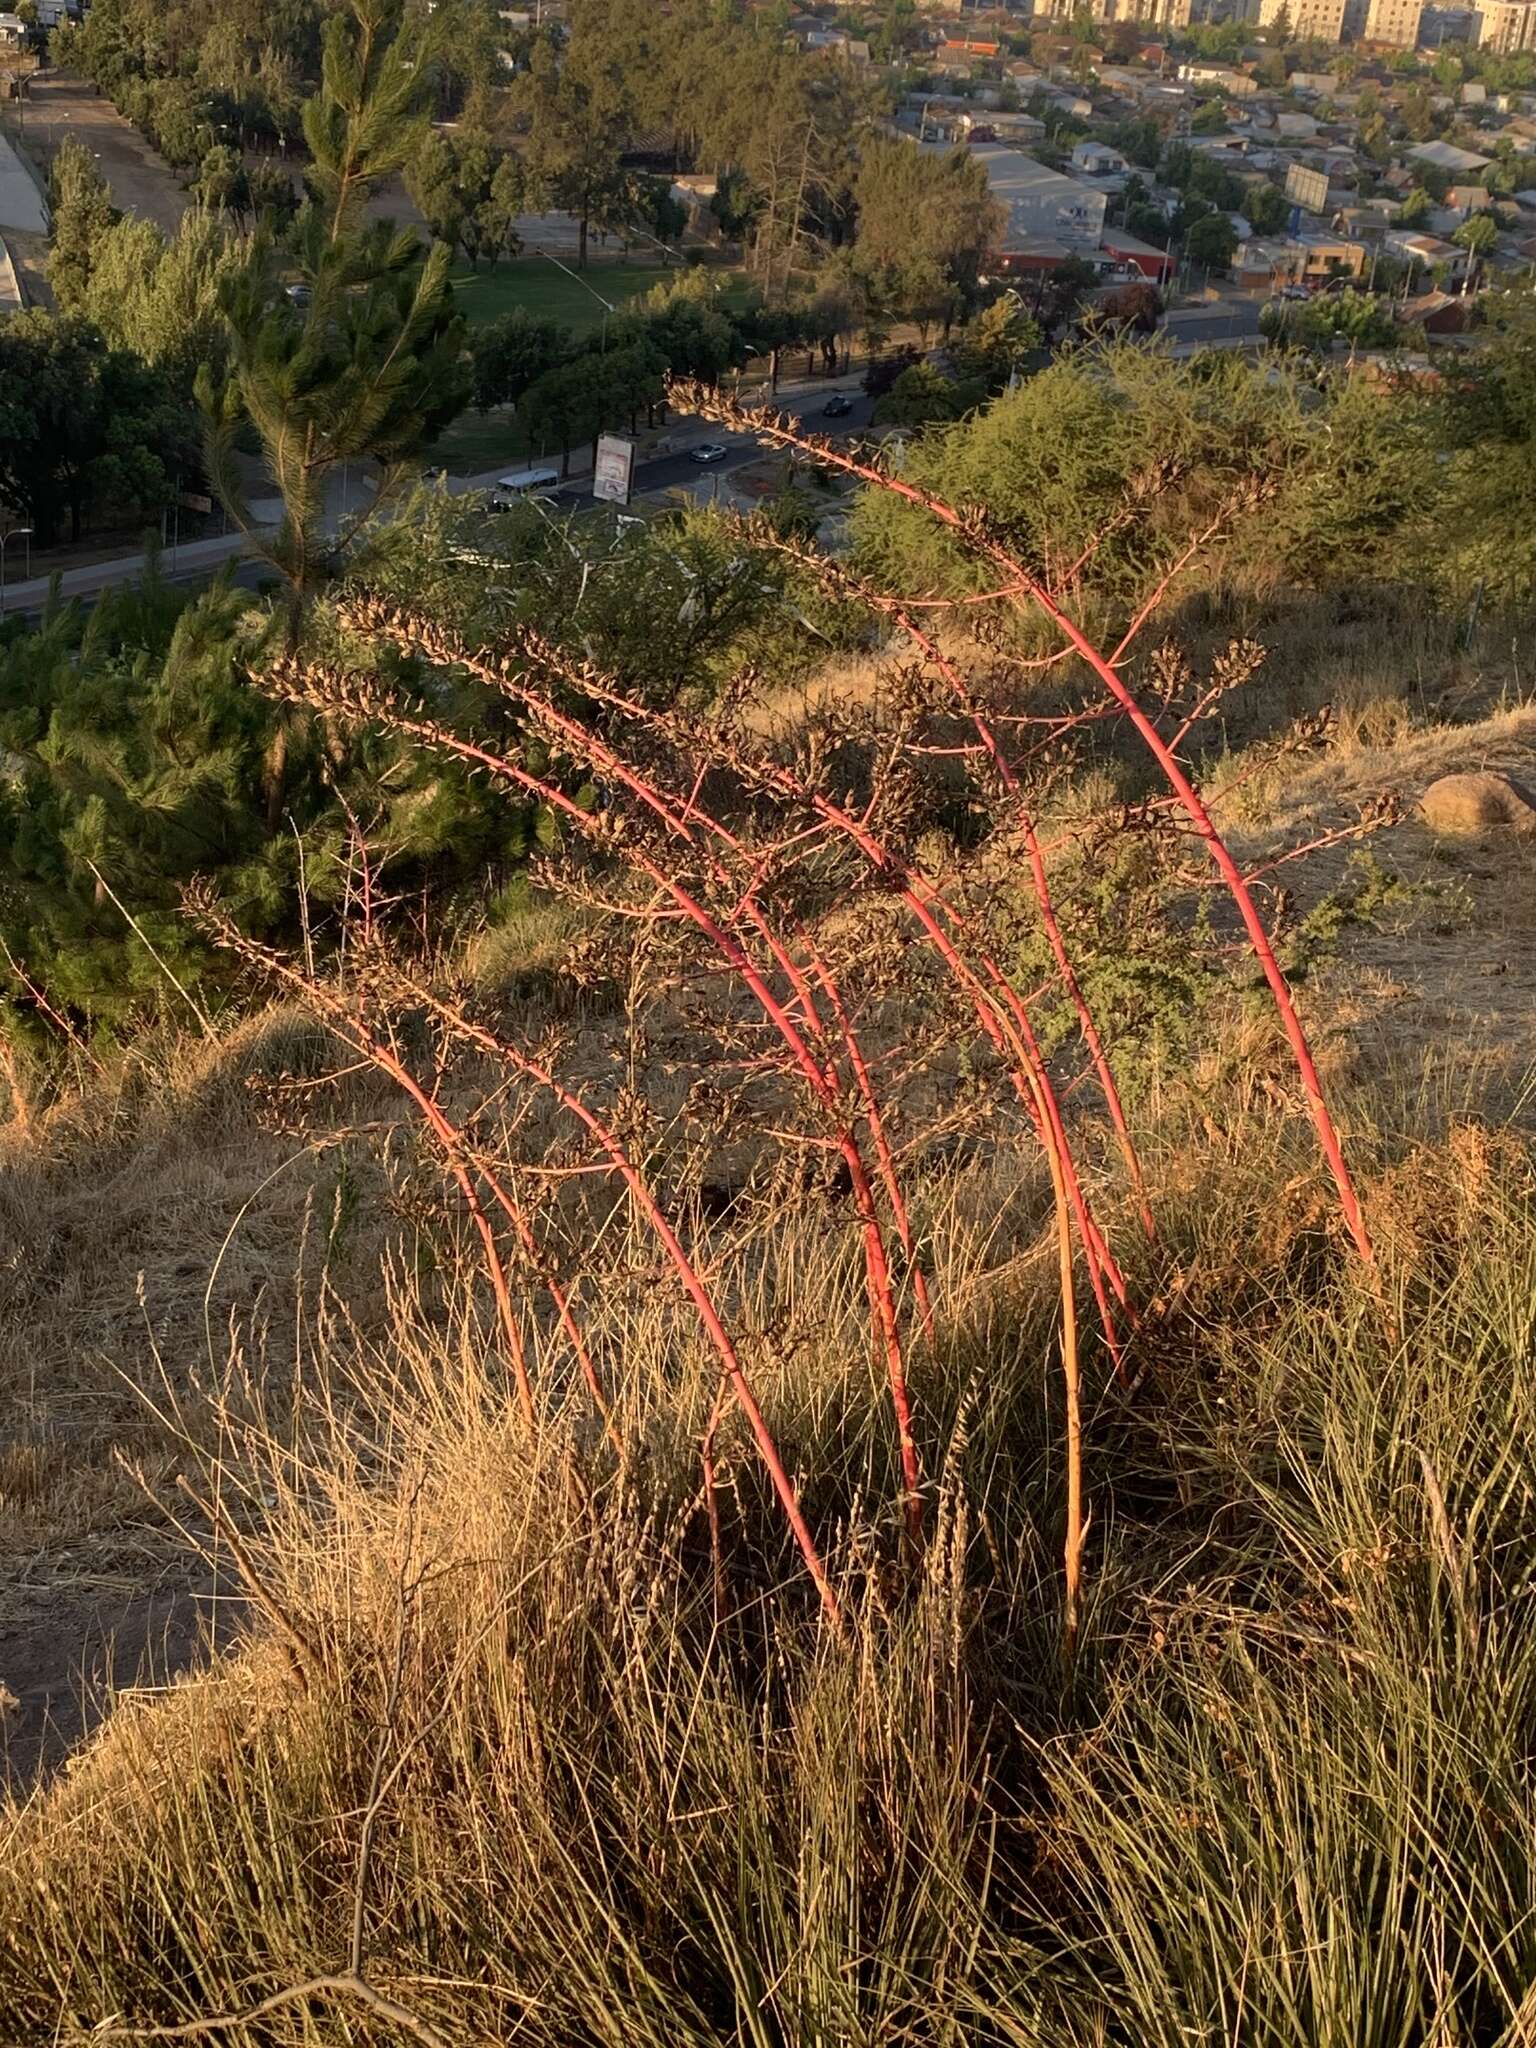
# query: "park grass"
480,441
540,288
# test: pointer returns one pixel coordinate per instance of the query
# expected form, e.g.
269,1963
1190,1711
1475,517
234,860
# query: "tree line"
277,358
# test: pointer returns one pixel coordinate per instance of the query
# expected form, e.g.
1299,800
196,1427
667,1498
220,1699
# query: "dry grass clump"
116,1206
618,1784
645,1756
872,1401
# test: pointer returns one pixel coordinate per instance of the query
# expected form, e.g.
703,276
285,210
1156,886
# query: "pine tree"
83,213
364,362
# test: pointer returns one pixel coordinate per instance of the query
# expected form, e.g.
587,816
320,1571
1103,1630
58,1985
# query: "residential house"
1261,265
1445,156
837,41
1098,160
1014,128
1428,251
1266,263
1239,84
1438,312
1072,104
993,125
1464,200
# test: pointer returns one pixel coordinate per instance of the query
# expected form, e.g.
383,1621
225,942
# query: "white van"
526,483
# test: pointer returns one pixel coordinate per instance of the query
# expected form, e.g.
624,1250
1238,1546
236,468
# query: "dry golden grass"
617,1793
511,1741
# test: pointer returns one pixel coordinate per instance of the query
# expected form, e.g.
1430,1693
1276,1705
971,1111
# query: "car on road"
838,406
709,451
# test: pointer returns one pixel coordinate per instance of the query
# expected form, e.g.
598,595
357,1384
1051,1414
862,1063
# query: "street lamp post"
607,305
21,533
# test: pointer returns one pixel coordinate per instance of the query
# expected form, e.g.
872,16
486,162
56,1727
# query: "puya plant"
809,1011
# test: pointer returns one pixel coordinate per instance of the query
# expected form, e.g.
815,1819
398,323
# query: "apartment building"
1319,21
1393,23
1447,25
1174,14
1506,25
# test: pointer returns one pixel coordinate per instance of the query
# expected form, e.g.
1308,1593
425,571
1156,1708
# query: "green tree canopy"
576,111
84,428
1315,490
1212,241
469,192
918,209
82,212
160,298
1487,419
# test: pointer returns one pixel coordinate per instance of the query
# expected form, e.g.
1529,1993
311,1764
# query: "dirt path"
140,180
69,1646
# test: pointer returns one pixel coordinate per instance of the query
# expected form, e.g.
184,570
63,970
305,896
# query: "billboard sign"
615,470
1307,188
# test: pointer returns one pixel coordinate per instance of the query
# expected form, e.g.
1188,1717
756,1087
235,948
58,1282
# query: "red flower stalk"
617,1153
505,676
770,428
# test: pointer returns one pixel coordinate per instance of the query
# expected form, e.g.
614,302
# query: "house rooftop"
1013,175
1447,157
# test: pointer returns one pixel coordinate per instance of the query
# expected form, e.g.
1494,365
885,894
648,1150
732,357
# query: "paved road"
140,180
195,562
199,561
21,202
1230,320
668,471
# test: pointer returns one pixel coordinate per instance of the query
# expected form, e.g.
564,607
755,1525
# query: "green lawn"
534,285
477,442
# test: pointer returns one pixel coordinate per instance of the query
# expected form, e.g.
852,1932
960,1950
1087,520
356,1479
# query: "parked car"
709,451
838,406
